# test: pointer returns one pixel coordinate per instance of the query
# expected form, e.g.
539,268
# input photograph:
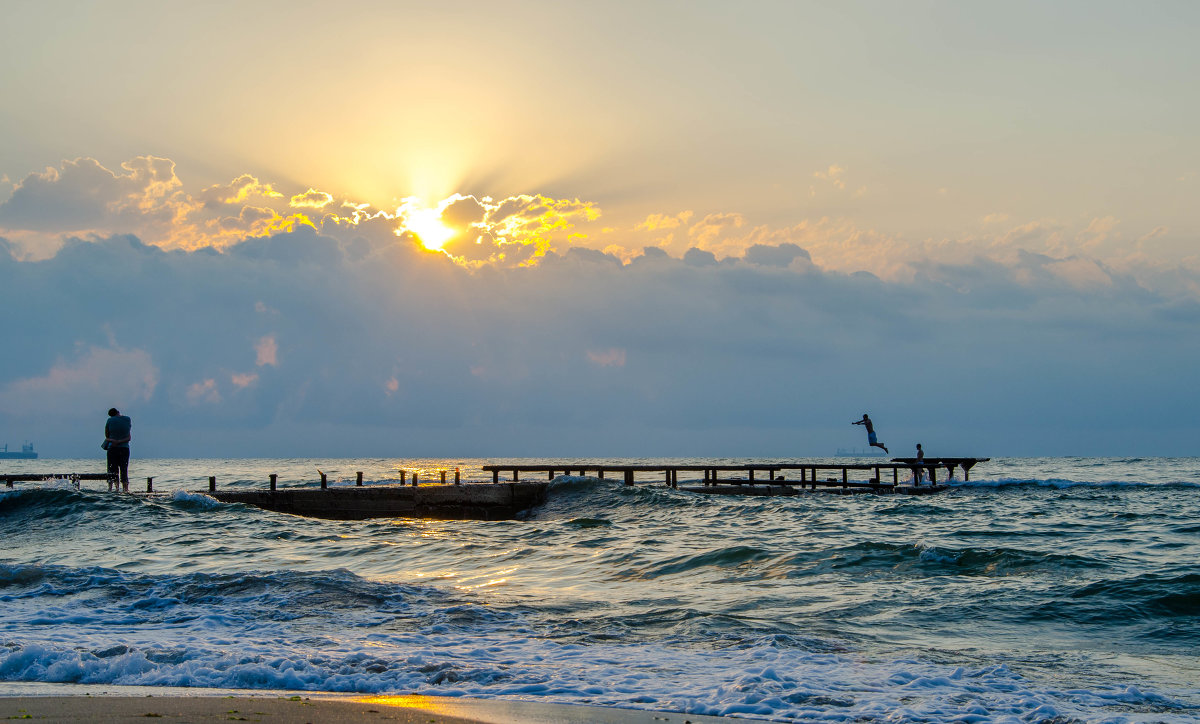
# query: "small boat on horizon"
27,453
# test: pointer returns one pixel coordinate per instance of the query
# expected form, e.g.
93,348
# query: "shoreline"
82,703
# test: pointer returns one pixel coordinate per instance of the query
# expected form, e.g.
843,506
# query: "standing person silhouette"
866,422
116,442
919,470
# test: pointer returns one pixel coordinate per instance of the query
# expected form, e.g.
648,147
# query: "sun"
427,225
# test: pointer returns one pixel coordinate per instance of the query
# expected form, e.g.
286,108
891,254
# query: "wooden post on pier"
403,477
149,485
358,479
212,483
443,477
629,477
324,481
414,478
274,477
495,477
457,477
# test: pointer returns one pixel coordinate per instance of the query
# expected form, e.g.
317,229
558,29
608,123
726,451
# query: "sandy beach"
297,709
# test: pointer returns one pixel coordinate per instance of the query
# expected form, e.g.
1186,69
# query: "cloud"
833,175
782,255
242,189
613,357
266,352
243,379
82,195
311,199
659,222
95,378
204,391
710,328
739,355
712,226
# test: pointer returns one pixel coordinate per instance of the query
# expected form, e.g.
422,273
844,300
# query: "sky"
567,229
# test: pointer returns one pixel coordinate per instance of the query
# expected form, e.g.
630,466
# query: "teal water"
1054,589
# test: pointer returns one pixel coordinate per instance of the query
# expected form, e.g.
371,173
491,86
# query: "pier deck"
471,501
9,479
773,475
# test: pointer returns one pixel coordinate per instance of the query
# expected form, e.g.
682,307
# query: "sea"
1041,590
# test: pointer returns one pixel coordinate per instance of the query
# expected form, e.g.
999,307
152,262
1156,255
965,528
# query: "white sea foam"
197,500
285,631
758,681
1060,483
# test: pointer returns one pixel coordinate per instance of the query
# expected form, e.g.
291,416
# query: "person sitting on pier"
866,421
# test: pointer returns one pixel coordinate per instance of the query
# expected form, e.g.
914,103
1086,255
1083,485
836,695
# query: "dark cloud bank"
302,344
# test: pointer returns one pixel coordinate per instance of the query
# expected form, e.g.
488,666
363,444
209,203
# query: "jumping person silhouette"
866,422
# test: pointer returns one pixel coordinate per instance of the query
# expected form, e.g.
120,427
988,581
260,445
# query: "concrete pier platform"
471,501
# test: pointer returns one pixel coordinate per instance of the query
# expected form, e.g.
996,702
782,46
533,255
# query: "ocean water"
1043,590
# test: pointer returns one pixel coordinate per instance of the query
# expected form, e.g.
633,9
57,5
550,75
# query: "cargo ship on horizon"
27,453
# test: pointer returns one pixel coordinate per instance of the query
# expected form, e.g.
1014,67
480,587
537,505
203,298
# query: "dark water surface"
1045,589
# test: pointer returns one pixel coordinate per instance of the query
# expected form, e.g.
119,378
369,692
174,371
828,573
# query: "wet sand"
318,710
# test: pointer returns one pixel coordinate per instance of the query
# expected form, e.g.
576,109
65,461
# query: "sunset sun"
427,225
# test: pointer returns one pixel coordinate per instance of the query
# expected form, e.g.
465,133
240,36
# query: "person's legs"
123,466
114,467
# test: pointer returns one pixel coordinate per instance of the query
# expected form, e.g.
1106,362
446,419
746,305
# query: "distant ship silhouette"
26,453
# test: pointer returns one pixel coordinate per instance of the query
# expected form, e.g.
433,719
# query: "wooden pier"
719,479
9,479
499,500
440,500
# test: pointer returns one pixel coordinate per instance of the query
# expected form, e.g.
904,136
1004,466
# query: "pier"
9,479
472,501
500,500
438,500
785,478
